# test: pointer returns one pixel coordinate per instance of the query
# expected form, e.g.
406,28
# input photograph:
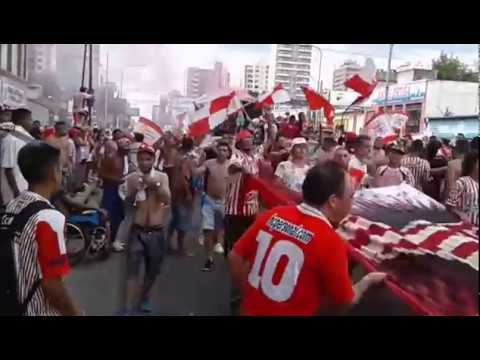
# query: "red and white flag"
213,114
150,130
364,82
317,102
277,96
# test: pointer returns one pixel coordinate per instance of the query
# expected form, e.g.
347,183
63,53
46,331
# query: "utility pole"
121,84
388,77
90,84
106,95
84,63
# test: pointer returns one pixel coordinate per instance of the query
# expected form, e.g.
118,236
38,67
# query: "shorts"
147,245
213,214
181,217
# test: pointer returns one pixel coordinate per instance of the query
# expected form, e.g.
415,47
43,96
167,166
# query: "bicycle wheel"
76,243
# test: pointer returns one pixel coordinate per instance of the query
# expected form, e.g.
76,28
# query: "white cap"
298,141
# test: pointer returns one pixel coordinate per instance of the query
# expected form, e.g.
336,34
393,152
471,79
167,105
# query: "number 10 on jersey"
288,280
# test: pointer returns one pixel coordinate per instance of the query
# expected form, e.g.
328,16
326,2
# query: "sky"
150,70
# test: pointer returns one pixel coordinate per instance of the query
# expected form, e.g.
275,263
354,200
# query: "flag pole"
388,77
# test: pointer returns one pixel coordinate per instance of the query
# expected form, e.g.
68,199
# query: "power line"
359,54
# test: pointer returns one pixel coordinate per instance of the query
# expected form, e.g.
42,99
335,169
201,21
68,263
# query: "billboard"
400,93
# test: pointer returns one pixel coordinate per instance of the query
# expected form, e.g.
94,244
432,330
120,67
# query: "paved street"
181,289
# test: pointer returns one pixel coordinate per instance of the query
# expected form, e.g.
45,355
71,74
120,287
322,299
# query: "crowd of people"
283,261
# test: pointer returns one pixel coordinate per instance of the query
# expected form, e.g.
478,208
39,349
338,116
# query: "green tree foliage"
451,68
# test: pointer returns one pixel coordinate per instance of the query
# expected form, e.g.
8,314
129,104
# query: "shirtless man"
213,209
183,193
148,191
113,167
168,154
61,141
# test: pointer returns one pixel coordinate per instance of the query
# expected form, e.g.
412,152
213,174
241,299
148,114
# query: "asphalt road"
181,289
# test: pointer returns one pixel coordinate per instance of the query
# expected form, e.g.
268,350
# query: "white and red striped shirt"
239,199
420,169
40,252
464,198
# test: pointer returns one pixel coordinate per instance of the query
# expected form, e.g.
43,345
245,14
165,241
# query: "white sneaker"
218,248
118,246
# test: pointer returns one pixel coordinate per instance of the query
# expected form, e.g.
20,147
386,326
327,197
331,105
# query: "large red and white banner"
277,96
386,125
213,114
150,130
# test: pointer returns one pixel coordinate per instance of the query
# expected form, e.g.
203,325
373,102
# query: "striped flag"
151,131
364,82
277,96
213,114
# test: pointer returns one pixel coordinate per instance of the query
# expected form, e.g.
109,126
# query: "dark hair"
210,153
187,144
432,148
83,89
416,147
138,137
36,159
474,143
469,162
116,131
20,115
360,139
329,143
36,122
292,117
227,145
462,147
445,142
60,123
323,181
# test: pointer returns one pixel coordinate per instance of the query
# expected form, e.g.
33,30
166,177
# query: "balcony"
284,47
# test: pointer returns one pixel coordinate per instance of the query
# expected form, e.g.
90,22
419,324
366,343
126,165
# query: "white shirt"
355,163
292,176
10,147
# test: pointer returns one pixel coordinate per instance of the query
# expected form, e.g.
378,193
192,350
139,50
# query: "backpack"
11,226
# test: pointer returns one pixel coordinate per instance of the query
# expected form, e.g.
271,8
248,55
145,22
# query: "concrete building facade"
41,58
203,81
296,65
256,78
348,69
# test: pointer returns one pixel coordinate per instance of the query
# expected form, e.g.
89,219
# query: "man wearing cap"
148,191
393,173
241,203
13,182
291,173
241,200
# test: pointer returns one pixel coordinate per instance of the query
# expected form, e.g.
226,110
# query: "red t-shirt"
290,131
297,263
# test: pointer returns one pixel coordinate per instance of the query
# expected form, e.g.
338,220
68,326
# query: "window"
14,64
414,113
3,56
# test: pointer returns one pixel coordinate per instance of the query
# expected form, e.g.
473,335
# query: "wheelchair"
88,236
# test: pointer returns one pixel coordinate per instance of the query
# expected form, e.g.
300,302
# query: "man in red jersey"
291,261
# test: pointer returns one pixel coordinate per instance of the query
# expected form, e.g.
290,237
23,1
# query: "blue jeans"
114,205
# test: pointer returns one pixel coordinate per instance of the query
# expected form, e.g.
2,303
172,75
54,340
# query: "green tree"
451,68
